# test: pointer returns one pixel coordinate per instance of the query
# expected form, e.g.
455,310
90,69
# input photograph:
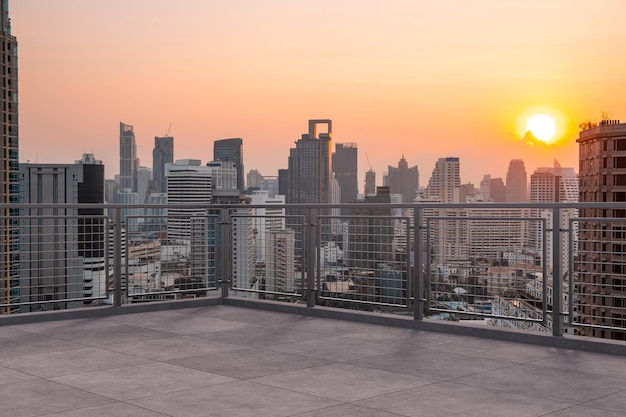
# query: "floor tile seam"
314,331
349,403
589,373
178,391
469,356
599,398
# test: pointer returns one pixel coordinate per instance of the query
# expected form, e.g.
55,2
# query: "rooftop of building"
231,358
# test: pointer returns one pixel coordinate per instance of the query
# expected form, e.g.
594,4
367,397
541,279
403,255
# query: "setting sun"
542,126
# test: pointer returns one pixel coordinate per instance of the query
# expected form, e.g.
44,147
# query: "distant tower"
163,153
516,182
253,180
129,164
370,182
444,179
345,169
404,180
9,166
310,167
231,150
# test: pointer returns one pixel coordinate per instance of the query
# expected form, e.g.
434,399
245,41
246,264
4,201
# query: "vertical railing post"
225,251
418,304
117,257
310,257
557,287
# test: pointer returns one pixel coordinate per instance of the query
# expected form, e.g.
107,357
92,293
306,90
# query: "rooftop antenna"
368,161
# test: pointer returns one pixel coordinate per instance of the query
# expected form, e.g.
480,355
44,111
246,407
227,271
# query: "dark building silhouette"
498,190
9,167
516,182
345,169
370,182
283,181
403,180
231,150
162,154
129,163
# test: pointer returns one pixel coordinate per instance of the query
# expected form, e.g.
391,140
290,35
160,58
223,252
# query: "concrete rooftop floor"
232,361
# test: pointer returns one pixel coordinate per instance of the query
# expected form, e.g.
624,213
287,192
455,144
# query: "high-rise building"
129,163
253,179
553,185
9,167
345,169
601,269
370,182
231,150
62,249
144,178
310,167
444,179
403,180
163,153
516,182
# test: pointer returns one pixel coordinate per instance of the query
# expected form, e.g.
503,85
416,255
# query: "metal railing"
530,266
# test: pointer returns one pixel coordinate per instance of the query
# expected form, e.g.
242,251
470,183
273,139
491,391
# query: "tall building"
444,179
163,153
345,169
310,167
403,180
129,163
253,179
144,179
601,270
516,182
370,182
9,167
188,182
553,185
231,150
62,249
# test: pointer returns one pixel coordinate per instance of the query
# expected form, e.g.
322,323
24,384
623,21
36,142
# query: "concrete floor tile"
407,337
140,380
343,382
236,399
10,376
261,336
172,348
349,410
24,343
38,397
496,349
249,363
109,410
586,362
185,324
446,399
431,363
550,383
66,362
614,402
582,411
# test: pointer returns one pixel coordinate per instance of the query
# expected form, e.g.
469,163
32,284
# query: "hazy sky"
426,79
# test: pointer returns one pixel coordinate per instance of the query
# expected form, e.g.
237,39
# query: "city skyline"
424,80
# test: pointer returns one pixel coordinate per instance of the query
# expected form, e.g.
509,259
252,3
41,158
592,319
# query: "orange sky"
426,79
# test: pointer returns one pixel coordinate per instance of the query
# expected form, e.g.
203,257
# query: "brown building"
601,265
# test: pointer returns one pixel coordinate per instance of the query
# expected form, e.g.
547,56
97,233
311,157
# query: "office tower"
130,215
63,249
498,190
370,182
231,150
310,167
516,182
403,180
345,170
225,180
163,153
129,164
253,179
9,167
188,182
601,269
283,181
444,179
270,184
553,185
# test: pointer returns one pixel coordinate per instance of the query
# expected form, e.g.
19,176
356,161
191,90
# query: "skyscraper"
129,164
163,153
345,169
370,182
516,182
231,150
601,268
9,166
444,179
404,180
310,167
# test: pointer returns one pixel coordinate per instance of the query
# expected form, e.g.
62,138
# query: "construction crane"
168,130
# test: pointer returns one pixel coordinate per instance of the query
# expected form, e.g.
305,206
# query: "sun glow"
542,126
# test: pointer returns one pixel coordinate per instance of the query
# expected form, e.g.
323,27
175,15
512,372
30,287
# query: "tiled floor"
232,361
